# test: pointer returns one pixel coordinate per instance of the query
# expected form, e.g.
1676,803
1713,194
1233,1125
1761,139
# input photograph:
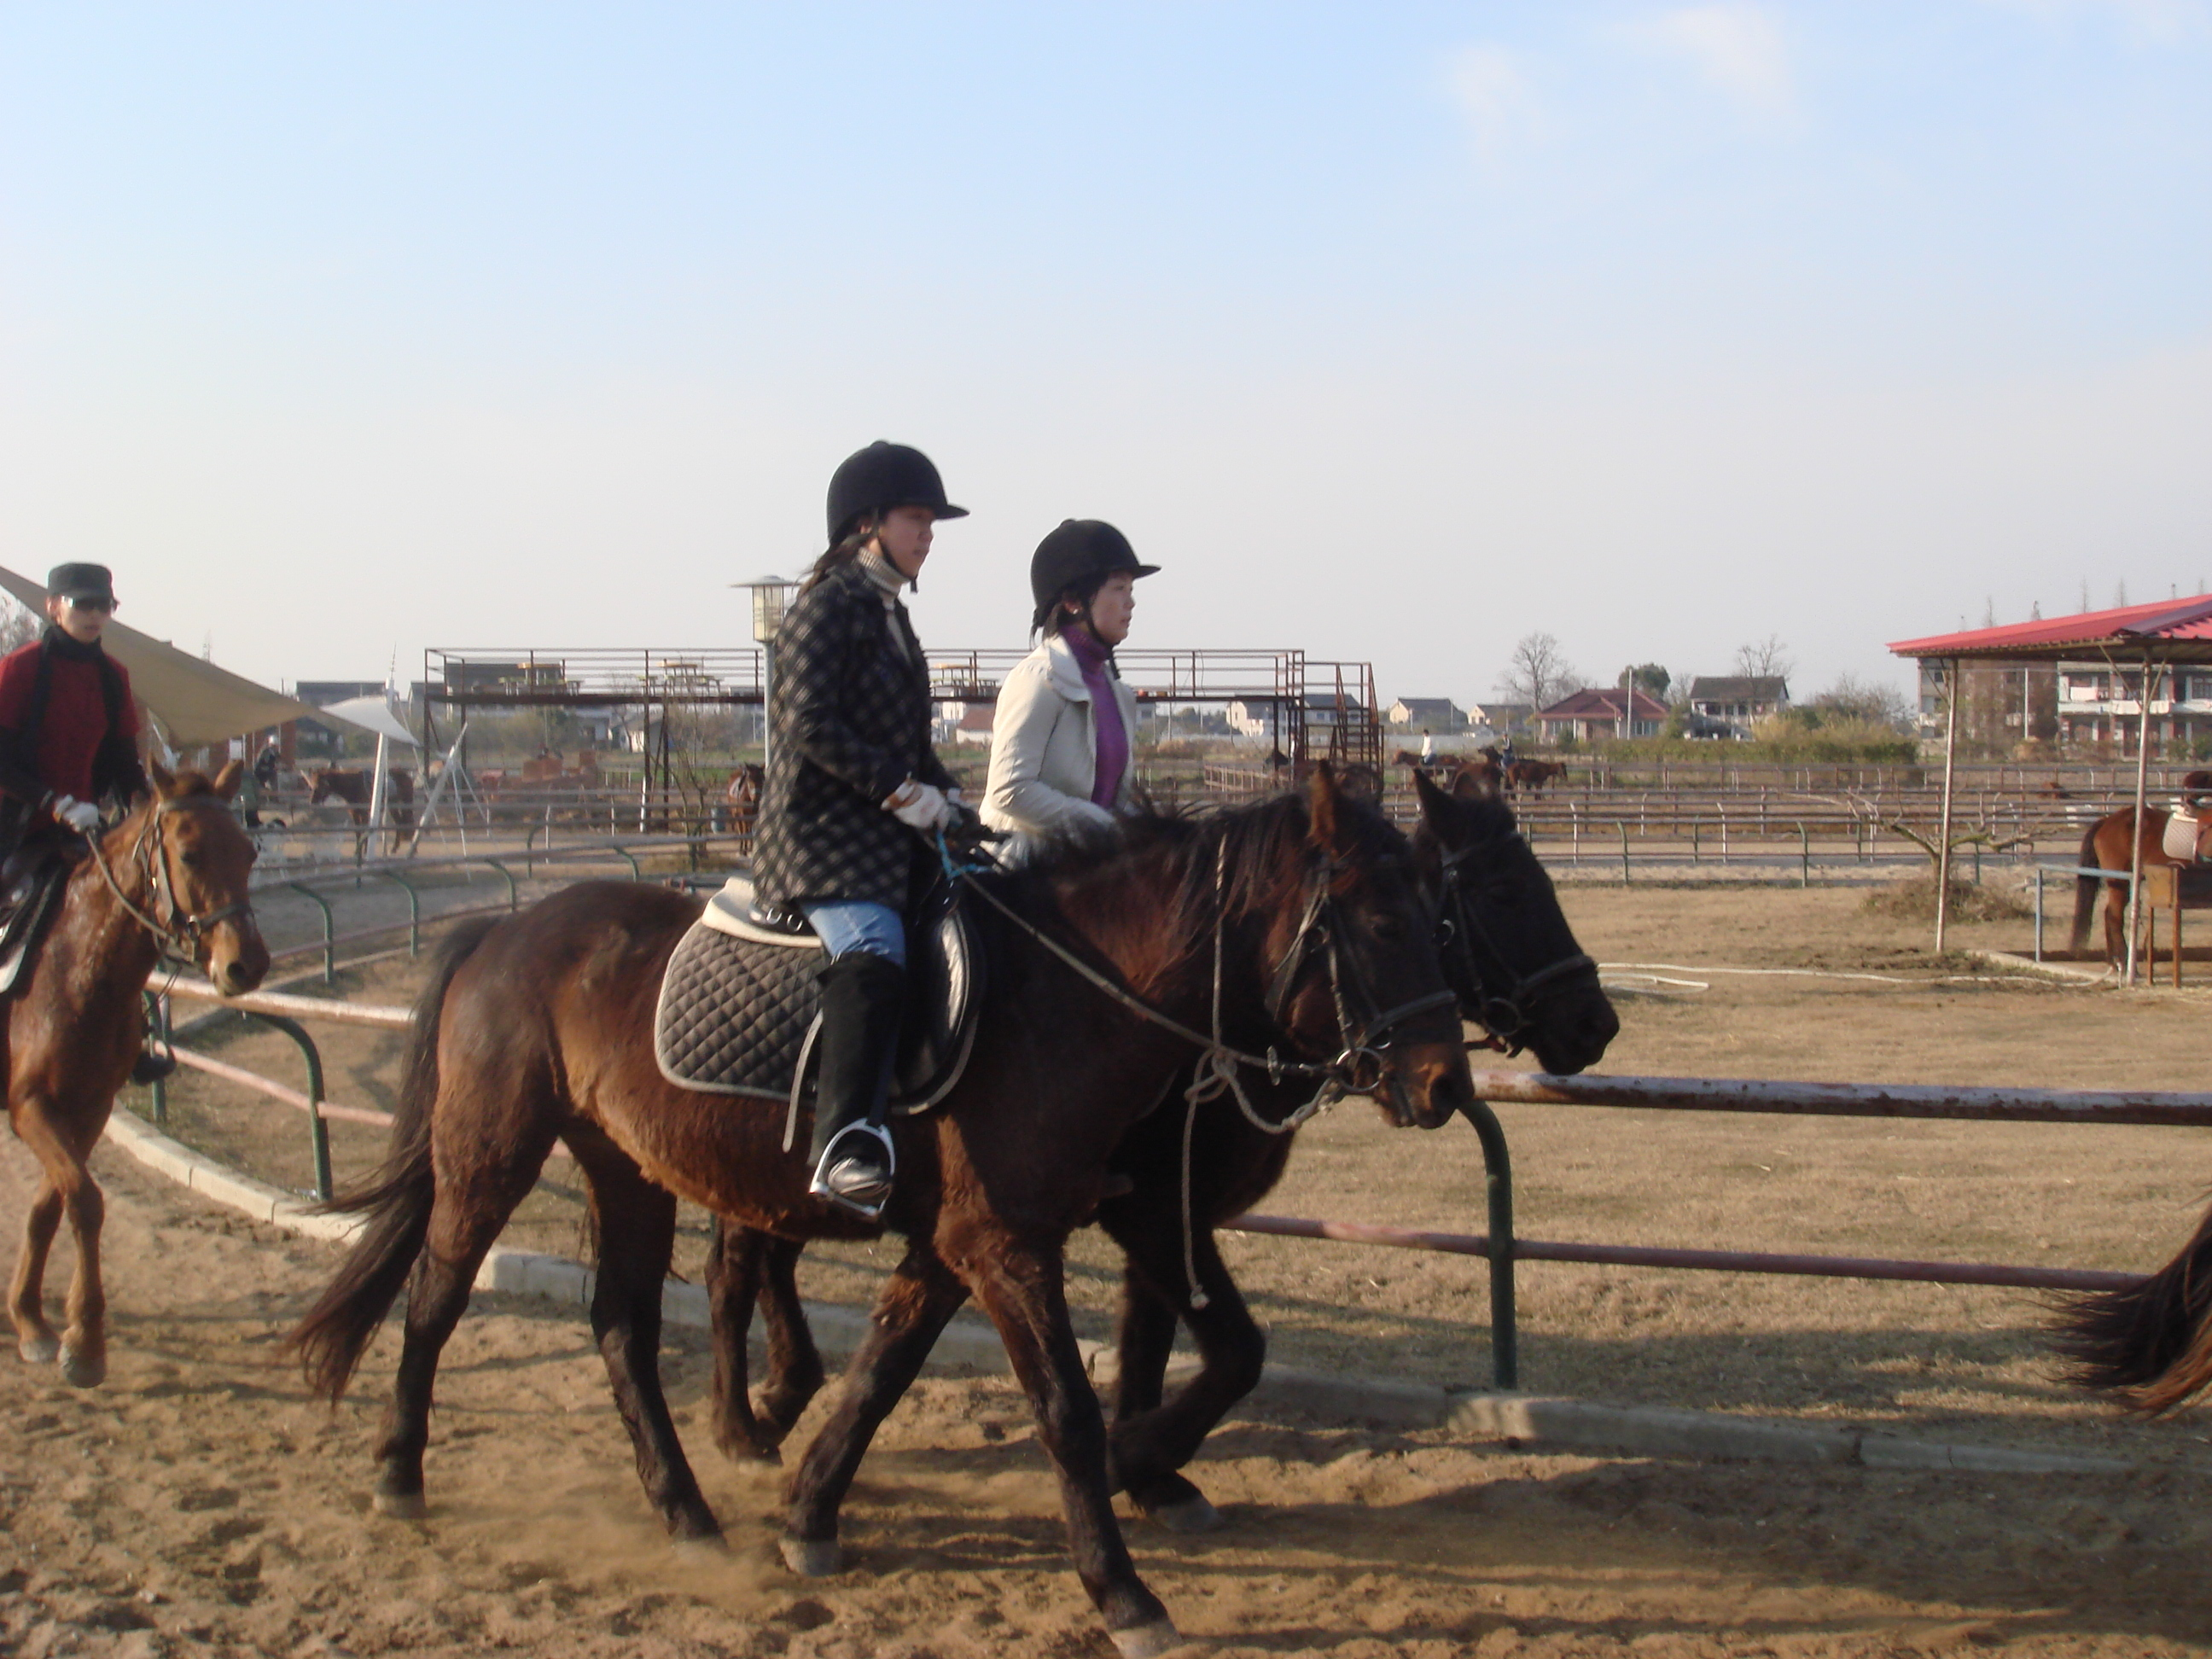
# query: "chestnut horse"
2149,1345
1291,926
2107,845
1513,967
1534,774
171,875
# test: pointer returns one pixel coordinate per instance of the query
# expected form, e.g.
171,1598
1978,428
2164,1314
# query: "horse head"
1379,1001
183,863
1507,951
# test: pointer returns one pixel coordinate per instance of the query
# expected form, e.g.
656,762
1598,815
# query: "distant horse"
1534,774
1513,962
172,876
356,788
1291,924
2109,844
743,795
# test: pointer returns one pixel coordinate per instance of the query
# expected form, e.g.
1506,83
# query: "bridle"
177,930
1506,998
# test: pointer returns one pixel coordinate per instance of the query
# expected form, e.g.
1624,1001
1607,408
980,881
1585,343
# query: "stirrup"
858,1179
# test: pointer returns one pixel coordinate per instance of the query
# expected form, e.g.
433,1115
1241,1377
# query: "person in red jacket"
69,735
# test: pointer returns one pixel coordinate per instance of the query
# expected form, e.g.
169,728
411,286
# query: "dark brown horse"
1299,913
2109,844
172,874
1513,963
1534,774
743,795
355,787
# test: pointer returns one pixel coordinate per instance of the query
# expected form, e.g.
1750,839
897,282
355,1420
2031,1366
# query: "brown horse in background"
2109,844
1534,774
172,874
1281,915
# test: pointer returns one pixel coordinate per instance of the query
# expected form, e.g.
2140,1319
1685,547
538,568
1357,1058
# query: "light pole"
771,594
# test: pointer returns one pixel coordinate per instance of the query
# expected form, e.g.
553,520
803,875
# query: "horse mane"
187,783
1256,849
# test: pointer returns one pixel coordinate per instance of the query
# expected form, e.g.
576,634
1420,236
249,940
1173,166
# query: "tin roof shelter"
2154,637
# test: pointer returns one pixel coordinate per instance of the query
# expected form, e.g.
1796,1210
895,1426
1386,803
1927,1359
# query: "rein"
179,934
1505,1016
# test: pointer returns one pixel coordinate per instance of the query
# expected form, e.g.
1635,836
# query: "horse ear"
1327,802
226,780
1430,796
163,781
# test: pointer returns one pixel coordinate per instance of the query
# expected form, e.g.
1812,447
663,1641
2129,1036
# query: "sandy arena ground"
200,1502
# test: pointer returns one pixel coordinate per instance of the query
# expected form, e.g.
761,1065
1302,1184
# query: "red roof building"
1611,712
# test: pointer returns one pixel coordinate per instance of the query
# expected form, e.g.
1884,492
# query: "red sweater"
76,718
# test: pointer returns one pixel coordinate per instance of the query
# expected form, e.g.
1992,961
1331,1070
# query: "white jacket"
1044,748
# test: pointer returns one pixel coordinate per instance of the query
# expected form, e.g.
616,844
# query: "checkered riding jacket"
850,717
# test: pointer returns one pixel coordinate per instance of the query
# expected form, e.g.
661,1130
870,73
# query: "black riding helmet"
881,476
1081,553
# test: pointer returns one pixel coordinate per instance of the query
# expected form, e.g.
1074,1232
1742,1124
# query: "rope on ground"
1653,970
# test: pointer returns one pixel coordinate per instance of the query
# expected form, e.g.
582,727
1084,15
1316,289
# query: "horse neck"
95,928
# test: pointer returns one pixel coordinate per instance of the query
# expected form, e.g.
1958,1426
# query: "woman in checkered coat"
852,780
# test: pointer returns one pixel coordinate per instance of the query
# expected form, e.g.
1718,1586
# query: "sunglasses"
94,602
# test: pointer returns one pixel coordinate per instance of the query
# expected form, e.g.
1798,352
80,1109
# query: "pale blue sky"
1392,331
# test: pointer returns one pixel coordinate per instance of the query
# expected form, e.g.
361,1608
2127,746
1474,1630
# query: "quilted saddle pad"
739,1015
32,903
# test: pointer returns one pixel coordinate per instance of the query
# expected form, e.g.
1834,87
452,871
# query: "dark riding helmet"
1082,552
881,476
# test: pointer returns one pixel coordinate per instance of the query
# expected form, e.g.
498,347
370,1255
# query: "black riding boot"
863,998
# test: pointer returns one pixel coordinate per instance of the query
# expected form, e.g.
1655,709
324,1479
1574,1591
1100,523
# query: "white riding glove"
80,816
919,805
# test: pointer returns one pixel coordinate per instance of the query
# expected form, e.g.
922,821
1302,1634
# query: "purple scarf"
1093,659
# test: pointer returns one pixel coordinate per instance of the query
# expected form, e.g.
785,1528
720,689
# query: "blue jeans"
845,925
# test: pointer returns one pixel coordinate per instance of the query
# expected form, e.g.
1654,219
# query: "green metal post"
635,873
529,864
330,931
318,1130
1498,1170
157,1027
1804,858
413,911
1624,854
512,902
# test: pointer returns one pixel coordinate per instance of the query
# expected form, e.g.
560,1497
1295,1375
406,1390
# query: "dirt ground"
174,1509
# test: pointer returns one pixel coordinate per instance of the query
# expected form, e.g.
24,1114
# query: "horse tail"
2150,1343
337,1331
2086,889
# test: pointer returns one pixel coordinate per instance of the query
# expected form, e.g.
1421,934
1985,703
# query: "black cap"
1080,551
81,581
881,476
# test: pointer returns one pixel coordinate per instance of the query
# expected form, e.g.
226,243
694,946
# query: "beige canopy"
195,701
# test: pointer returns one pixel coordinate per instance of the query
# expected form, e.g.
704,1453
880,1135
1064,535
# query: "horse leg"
34,1339
1152,1441
916,1303
635,1223
744,1265
1022,1289
794,1364
475,1196
67,1188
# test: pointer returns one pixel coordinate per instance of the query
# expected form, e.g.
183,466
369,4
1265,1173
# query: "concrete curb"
969,1345
2066,970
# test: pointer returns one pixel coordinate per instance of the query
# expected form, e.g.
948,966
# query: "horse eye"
1389,929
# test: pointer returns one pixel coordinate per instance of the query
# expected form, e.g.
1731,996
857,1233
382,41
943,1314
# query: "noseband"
1507,998
1367,1030
177,930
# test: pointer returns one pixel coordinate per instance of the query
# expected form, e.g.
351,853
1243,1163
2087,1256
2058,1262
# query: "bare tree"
19,625
1766,658
1875,701
1538,674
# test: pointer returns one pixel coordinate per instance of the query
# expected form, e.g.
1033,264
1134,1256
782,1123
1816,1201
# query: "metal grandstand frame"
1315,709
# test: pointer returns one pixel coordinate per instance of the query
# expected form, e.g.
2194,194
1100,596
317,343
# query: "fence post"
318,1128
1497,1173
157,1022
1624,854
1804,858
2039,913
413,911
512,902
630,858
330,931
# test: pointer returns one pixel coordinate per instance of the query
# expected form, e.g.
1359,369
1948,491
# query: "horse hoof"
84,1370
1148,1641
1188,1515
400,1505
813,1557
39,1349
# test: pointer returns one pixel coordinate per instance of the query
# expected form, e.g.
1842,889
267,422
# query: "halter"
1505,1015
176,931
